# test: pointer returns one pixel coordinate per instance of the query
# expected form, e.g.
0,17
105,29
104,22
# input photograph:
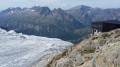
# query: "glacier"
20,50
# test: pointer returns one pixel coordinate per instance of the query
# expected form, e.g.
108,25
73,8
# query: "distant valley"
69,25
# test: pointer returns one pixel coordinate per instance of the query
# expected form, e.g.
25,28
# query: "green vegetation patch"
88,51
94,38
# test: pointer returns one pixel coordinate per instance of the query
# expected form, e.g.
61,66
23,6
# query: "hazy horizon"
64,4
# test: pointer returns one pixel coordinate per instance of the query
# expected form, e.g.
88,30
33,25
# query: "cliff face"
94,51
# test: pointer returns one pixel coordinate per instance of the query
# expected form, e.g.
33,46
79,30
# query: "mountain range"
70,25
86,14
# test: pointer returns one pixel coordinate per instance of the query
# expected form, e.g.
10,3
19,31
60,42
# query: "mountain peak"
59,10
38,7
11,9
84,6
81,7
42,10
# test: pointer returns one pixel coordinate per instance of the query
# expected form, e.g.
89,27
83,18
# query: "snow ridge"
19,50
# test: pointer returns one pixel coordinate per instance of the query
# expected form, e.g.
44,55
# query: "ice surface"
19,50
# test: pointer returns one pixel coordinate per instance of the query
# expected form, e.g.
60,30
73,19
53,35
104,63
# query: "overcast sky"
64,4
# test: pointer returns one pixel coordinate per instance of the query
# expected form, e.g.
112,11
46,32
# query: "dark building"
105,26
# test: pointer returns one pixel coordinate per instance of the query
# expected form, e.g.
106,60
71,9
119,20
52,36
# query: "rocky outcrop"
95,51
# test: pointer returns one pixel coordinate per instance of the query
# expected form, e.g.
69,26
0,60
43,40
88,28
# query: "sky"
64,4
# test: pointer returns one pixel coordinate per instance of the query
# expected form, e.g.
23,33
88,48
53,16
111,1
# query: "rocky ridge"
94,51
